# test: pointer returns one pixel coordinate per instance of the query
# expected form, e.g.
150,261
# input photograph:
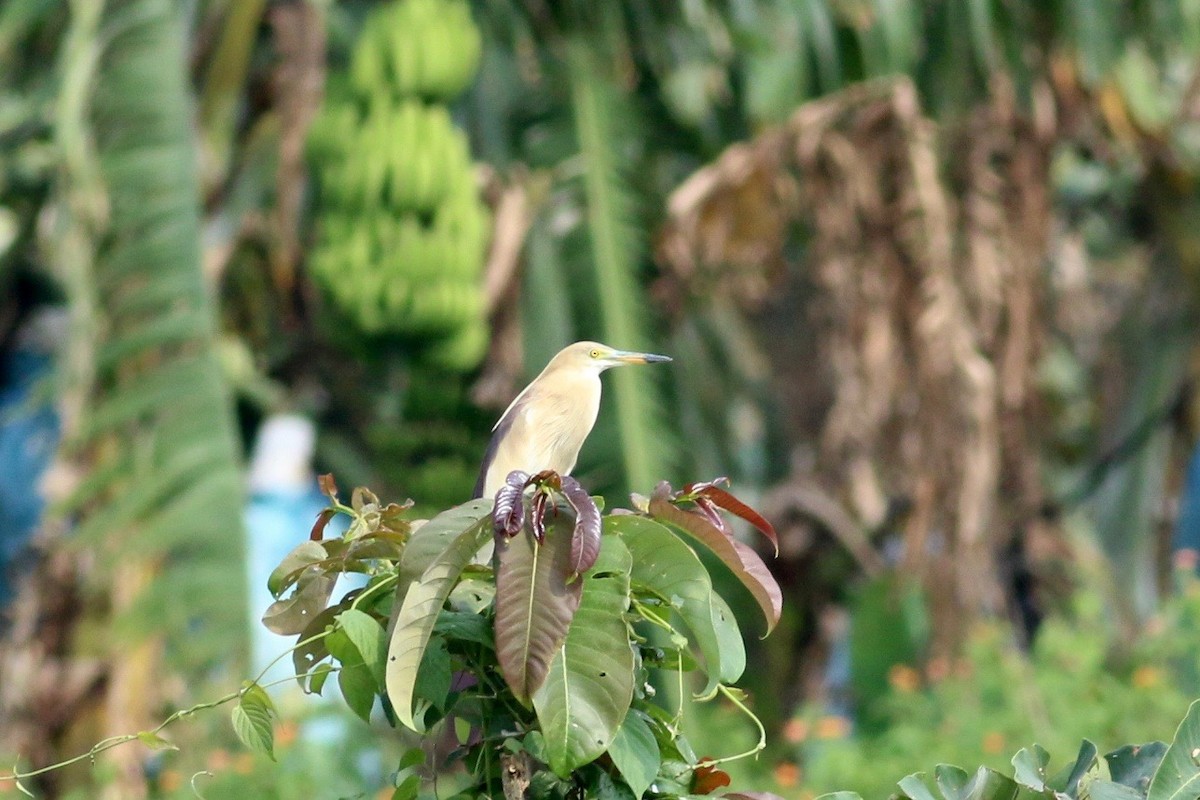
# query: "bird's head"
596,357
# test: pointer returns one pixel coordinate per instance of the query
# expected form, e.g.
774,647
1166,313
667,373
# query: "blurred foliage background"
929,270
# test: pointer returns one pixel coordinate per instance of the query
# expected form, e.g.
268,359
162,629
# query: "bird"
546,424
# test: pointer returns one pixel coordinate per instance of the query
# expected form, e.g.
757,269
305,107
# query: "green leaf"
741,560
422,605
434,676
430,540
155,742
1085,761
252,724
1135,764
635,753
368,638
667,566
293,614
462,730
839,796
951,780
408,788
319,675
358,688
1108,790
1029,767
1178,776
914,787
534,604
462,626
589,685
987,784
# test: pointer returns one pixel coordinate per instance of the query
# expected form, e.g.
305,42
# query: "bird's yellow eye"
595,354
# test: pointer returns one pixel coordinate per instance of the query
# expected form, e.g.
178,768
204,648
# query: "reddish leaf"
708,778
752,796
318,528
722,498
534,605
741,559
585,539
537,518
709,510
328,486
508,514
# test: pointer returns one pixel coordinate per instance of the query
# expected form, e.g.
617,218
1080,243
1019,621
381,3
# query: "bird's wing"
501,429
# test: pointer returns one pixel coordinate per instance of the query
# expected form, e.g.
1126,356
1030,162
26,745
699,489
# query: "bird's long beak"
630,357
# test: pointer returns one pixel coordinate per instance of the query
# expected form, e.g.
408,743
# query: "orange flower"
1146,677
832,728
993,742
796,730
904,678
787,774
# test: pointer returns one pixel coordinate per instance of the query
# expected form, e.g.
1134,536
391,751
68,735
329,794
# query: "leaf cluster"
534,674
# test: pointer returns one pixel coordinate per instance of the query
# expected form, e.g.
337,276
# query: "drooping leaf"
534,604
358,688
741,560
589,686
1135,764
289,570
585,539
423,603
1178,775
318,529
635,753
665,564
368,638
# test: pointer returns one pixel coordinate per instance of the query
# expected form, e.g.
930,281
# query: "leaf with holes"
422,605
742,561
589,686
667,566
534,604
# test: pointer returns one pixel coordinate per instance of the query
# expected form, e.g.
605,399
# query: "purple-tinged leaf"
534,605
585,539
710,512
509,511
537,517
722,498
741,559
318,528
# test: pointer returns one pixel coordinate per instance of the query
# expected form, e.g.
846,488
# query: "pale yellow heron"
544,427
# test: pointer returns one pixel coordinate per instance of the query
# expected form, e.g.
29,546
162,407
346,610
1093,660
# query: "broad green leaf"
840,796
465,627
534,604
1178,775
316,683
368,637
667,566
430,540
914,787
422,605
987,784
1135,764
589,686
1029,767
408,789
741,560
635,753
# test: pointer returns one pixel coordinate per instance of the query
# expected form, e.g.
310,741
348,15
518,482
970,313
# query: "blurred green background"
929,271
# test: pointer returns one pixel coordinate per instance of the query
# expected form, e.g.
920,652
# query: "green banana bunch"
402,233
